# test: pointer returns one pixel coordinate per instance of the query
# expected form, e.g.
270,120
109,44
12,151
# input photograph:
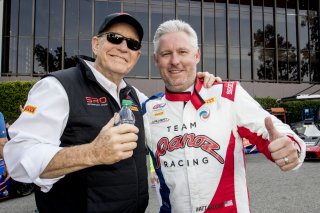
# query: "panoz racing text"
191,140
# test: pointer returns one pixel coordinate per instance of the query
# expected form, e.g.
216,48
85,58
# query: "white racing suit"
195,140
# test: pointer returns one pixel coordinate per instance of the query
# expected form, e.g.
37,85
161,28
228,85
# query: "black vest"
121,187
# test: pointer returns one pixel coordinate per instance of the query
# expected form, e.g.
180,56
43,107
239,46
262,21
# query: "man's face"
115,60
177,60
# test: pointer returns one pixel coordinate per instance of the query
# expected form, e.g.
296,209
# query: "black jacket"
121,187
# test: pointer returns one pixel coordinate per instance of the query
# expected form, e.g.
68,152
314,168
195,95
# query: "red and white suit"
195,139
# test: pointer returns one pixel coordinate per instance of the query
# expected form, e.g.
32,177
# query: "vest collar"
194,96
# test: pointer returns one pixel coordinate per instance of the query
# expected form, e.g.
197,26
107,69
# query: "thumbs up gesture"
282,148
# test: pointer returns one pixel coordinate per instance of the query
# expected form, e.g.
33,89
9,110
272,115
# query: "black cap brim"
118,18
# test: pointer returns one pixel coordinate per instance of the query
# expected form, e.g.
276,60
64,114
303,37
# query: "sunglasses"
116,38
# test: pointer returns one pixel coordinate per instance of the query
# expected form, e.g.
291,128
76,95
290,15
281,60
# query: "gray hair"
172,26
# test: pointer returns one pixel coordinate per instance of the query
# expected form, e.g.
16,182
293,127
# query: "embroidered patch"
30,109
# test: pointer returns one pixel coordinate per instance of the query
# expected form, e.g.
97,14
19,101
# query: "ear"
155,59
138,55
197,55
95,44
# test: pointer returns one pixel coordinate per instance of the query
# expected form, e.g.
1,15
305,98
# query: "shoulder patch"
229,89
31,109
155,96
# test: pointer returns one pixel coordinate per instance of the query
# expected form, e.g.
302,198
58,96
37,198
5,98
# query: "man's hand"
208,79
115,143
110,146
154,178
282,148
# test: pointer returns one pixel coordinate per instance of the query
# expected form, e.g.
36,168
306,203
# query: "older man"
65,141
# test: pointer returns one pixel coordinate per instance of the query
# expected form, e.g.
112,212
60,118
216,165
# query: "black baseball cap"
121,17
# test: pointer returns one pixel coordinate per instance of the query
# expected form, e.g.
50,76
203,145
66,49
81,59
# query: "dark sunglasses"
116,38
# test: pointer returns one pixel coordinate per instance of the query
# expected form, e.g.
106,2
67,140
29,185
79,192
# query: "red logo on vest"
96,101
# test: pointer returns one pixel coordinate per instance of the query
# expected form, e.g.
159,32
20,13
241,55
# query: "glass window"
292,37
54,55
169,3
313,31
245,5
303,7
41,18
72,19
291,7
85,21
208,25
234,64
220,28
25,20
40,56
269,31
71,50
56,19
246,64
258,64
13,55
303,28
314,7
257,6
154,70
281,6
234,28
283,64
208,5
221,4
168,13
258,31
269,64
245,34
183,3
208,59
195,21
25,56
156,18
195,4
221,60
233,5
13,18
305,65
314,66
85,47
183,13
293,73
141,68
140,12
281,31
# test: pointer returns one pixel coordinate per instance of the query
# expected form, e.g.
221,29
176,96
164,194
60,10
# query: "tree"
52,62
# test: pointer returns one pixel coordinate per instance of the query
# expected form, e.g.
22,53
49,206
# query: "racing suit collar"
186,96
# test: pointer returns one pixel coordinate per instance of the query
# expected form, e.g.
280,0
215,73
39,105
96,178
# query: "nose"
175,59
123,45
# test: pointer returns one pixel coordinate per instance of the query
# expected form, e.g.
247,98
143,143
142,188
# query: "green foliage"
266,102
294,109
12,95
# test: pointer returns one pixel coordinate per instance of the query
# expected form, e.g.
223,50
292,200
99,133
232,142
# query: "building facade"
271,46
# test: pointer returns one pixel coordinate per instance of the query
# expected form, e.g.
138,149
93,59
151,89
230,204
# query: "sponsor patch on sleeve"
228,90
30,109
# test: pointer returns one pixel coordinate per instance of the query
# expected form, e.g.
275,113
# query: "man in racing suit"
195,134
